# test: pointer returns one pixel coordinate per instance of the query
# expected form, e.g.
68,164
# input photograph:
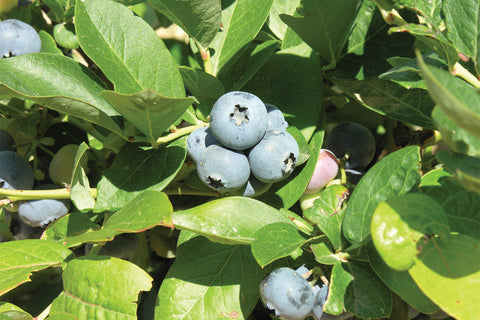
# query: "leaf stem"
391,16
181,189
460,71
15,195
179,132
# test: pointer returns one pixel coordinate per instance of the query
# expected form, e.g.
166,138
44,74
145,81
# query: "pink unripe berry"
325,171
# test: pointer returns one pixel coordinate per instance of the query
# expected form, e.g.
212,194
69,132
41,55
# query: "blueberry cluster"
16,173
290,296
246,146
17,37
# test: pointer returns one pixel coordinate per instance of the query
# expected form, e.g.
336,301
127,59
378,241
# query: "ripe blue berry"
255,187
274,157
39,213
17,37
355,140
223,169
287,293
320,298
239,120
15,171
276,120
198,141
6,140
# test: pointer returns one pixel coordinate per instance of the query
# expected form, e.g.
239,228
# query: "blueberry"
355,140
274,157
239,120
320,298
17,37
287,293
326,170
276,120
15,171
253,188
198,141
6,140
223,169
39,213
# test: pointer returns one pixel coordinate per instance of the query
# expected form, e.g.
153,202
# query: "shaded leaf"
80,187
339,282
466,169
275,23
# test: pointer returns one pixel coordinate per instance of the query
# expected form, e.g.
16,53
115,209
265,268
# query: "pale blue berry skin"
198,141
255,187
320,298
15,171
223,169
274,157
39,213
17,38
354,139
276,120
239,120
6,140
288,293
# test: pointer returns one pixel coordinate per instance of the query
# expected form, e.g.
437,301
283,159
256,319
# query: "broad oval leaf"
126,48
88,295
399,223
18,259
448,272
228,220
339,282
394,175
209,281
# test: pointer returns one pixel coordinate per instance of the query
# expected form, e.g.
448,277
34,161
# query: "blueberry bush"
103,110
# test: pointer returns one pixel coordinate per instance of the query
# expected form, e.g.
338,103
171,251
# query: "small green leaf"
149,111
126,49
228,220
358,36
328,212
324,255
209,281
339,282
80,190
65,36
70,225
399,223
274,241
147,210
456,98
112,277
48,43
18,259
400,282
241,21
466,169
12,312
447,271
394,175
367,296
200,19
135,170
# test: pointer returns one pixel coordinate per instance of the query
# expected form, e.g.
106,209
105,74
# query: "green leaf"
275,23
18,259
12,312
324,255
400,282
274,241
367,296
462,21
286,193
200,19
465,168
48,43
328,212
399,223
358,36
391,100
149,111
325,26
70,225
396,174
80,190
248,64
228,220
209,281
147,210
447,271
58,83
453,96
294,84
339,282
462,206
135,170
241,20
88,294
126,49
